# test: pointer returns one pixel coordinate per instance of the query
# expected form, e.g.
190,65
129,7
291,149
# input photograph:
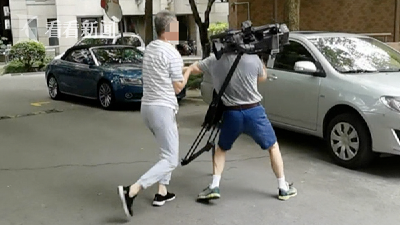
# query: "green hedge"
16,66
27,56
194,81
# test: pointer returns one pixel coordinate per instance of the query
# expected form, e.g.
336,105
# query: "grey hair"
162,21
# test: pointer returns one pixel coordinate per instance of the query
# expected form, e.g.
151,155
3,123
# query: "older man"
162,80
243,114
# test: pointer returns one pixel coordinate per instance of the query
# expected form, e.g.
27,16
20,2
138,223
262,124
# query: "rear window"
96,41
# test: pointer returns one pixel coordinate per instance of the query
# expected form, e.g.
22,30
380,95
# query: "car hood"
382,83
125,70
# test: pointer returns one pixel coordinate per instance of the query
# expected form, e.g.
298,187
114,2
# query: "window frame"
320,70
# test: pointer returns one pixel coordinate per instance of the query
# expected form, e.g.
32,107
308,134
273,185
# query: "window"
291,54
53,32
132,41
81,56
32,29
89,26
96,41
118,55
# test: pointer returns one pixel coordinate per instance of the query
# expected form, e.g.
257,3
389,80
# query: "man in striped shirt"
163,79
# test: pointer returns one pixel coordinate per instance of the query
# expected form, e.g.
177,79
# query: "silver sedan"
342,87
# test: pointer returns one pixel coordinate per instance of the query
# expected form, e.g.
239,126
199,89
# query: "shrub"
194,81
27,54
14,66
217,28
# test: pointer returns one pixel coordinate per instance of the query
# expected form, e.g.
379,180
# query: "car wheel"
53,88
106,95
349,141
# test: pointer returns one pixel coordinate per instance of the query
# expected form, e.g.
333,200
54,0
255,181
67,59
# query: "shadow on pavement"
315,148
95,104
120,107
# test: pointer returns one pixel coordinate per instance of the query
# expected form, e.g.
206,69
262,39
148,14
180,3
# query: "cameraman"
243,114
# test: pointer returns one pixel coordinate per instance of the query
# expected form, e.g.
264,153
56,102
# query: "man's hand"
180,85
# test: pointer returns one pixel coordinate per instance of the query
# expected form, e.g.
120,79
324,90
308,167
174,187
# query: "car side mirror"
305,67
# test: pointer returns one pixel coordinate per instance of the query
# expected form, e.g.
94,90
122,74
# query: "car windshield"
117,55
358,54
96,41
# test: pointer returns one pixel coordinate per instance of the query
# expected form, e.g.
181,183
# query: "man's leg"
161,121
258,126
231,128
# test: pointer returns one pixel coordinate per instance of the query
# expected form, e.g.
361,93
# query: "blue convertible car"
108,73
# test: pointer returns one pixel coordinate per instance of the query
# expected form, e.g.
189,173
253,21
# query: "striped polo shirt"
162,64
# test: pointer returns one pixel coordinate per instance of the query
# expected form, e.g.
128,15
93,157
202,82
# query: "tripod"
212,120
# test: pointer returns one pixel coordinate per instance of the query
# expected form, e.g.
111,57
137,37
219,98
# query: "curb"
22,74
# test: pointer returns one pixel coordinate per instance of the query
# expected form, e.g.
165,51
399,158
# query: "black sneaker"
126,200
160,200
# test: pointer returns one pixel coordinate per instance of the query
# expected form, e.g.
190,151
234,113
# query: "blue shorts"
253,122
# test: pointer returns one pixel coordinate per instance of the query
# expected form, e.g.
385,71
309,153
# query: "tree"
292,14
148,17
203,26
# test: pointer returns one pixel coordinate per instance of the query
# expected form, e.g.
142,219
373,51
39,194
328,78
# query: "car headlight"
131,81
391,102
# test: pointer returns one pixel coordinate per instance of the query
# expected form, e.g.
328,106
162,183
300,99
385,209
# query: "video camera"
268,39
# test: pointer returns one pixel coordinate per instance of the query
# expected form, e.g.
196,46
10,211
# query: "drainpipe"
397,22
242,3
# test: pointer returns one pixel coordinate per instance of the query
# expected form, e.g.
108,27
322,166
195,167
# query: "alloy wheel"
105,95
345,141
53,87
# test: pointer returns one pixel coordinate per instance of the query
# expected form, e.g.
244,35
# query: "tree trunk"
292,14
148,21
203,26
205,42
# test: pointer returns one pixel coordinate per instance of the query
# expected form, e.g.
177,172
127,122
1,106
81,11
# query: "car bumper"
128,93
385,130
132,93
182,94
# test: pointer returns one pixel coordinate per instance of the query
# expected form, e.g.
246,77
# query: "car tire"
105,95
354,149
53,88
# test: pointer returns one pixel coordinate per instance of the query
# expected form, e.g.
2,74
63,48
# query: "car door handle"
272,77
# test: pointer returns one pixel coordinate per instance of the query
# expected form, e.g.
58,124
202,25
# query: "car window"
291,54
132,41
358,54
81,56
96,41
117,55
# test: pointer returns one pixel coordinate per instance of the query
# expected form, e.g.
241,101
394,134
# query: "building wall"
361,16
70,10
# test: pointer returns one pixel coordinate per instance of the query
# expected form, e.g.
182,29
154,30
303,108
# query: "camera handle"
212,119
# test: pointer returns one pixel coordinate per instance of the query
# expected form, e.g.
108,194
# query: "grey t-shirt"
242,88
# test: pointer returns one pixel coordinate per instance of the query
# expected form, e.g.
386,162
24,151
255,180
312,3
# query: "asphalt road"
63,167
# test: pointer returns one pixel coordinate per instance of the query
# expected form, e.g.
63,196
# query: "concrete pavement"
63,168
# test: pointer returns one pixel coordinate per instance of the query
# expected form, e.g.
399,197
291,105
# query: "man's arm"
263,73
193,69
175,69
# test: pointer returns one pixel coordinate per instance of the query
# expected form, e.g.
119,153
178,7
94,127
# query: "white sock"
216,180
282,184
